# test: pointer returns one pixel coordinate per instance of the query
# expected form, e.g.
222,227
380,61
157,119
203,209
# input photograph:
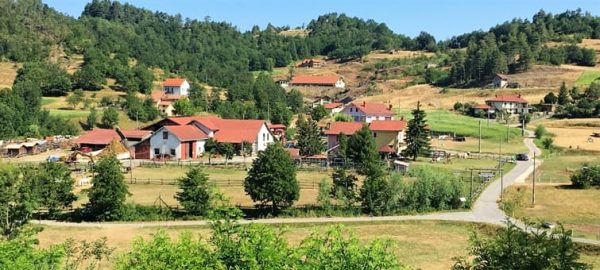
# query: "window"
156,151
173,152
263,136
374,134
165,135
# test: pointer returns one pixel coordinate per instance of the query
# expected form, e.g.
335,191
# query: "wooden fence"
235,183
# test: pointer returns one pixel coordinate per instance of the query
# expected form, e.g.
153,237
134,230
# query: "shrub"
587,176
548,143
540,131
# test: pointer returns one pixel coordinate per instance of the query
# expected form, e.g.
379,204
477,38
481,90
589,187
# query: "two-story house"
389,135
512,104
367,112
176,86
173,90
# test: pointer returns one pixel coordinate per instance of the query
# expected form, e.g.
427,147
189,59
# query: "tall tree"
272,179
17,201
196,192
110,118
109,191
309,137
363,152
563,95
53,185
416,136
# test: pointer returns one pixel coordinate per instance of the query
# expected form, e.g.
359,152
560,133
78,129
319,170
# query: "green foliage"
587,176
295,100
51,79
374,194
197,96
75,98
52,185
416,136
548,143
91,120
309,137
22,253
89,78
110,118
550,98
362,151
184,107
272,179
433,190
324,195
513,248
108,192
257,246
211,147
318,112
227,150
458,106
563,95
540,131
343,183
524,118
583,105
425,41
196,192
17,201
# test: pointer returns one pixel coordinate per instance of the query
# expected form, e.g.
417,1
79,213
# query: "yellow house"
389,135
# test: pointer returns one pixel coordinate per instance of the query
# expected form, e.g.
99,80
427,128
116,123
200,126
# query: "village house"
389,135
278,130
367,112
311,63
184,137
334,107
318,81
96,139
512,104
500,81
482,109
321,100
173,90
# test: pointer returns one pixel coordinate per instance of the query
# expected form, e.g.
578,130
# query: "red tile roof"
513,99
136,134
387,125
333,105
482,107
98,137
346,128
173,82
187,133
276,126
315,80
226,130
374,108
386,149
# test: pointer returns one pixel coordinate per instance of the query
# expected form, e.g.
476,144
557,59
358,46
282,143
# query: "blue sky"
442,18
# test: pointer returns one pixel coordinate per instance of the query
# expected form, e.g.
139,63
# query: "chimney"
390,107
402,118
364,104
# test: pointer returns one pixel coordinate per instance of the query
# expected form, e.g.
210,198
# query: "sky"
441,18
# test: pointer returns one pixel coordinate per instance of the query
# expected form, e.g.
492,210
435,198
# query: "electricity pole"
500,169
480,136
533,190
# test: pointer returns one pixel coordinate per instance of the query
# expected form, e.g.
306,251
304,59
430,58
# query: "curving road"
485,209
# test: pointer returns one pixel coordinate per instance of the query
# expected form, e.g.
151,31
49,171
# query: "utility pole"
507,130
523,128
480,136
533,190
471,188
500,169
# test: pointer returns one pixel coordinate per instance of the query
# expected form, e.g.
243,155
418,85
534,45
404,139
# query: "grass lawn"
49,100
514,146
69,114
558,166
576,209
587,77
449,122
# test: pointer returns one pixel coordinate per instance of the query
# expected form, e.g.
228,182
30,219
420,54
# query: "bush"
458,106
586,177
540,131
548,143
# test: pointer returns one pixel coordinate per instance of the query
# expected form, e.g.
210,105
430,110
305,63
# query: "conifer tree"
309,139
416,136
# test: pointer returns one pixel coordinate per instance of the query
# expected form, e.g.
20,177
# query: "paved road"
485,209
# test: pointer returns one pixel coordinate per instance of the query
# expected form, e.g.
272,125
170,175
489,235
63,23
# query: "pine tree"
563,95
309,139
416,137
108,192
363,152
196,192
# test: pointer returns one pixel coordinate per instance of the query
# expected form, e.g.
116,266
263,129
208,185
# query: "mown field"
587,78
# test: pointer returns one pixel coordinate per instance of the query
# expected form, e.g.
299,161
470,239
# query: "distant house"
97,139
500,81
311,63
173,90
15,150
278,130
177,142
334,107
512,104
318,81
322,100
367,112
389,135
482,109
137,143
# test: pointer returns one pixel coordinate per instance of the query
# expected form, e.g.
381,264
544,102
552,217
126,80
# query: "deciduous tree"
108,192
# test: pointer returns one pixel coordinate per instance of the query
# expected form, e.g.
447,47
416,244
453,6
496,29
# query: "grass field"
421,244
587,77
576,209
449,122
558,166
8,72
46,101
69,114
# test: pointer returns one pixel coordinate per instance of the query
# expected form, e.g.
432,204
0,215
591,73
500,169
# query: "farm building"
318,81
334,107
15,150
97,139
322,100
367,112
513,104
482,109
173,90
278,130
500,81
311,63
389,134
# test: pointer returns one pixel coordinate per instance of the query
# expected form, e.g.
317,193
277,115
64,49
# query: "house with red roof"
513,104
332,81
480,109
184,137
334,107
173,90
367,112
311,63
97,139
389,135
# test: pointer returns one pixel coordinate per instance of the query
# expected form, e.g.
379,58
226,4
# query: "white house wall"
164,146
265,137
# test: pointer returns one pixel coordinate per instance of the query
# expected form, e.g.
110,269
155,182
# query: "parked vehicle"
460,139
522,157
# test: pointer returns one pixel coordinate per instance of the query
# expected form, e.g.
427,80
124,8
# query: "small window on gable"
165,135
156,151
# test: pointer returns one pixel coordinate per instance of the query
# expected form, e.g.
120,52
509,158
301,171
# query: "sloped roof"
136,134
333,105
237,131
386,149
316,80
173,82
482,107
387,125
374,108
98,136
346,128
187,133
508,98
